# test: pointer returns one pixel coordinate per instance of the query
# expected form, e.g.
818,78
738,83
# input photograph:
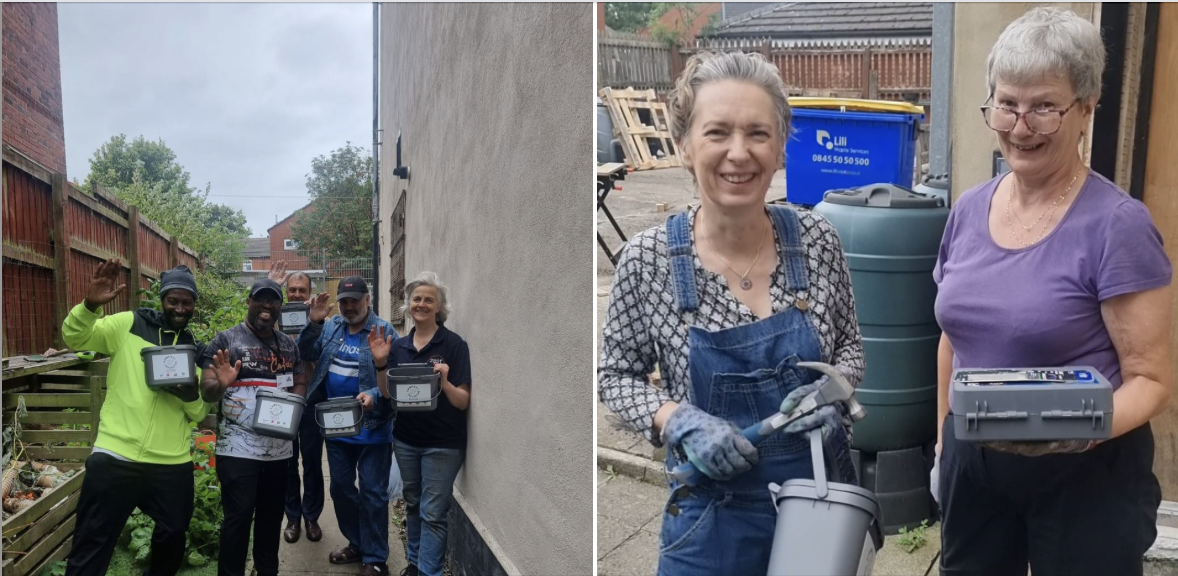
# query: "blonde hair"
707,67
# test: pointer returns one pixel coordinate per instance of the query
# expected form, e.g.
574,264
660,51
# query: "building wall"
493,103
976,28
33,122
279,233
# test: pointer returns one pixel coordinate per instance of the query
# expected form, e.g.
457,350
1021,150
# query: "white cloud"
245,94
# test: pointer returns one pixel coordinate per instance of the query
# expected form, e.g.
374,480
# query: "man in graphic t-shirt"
238,362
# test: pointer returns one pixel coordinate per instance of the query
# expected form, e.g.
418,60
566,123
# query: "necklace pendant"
746,284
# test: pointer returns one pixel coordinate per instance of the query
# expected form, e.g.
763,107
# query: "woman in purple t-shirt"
1051,265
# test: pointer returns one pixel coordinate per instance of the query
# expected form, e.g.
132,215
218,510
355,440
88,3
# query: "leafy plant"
203,531
913,540
55,569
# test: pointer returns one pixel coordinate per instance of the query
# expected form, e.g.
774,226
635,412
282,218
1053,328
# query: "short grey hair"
294,275
428,279
707,67
1049,41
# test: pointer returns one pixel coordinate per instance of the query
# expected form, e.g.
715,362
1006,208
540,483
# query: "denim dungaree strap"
742,374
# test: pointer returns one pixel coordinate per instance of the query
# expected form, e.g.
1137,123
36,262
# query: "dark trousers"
251,491
362,514
308,445
111,491
1088,514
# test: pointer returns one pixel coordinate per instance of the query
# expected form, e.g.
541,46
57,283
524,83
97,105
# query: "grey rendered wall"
494,104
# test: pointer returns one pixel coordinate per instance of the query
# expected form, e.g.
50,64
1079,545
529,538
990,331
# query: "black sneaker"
381,569
410,570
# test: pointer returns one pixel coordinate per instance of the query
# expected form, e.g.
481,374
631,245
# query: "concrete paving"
307,558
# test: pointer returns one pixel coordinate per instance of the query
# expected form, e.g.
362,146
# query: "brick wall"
32,83
279,233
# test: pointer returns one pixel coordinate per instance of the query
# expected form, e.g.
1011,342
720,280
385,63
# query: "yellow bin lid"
856,104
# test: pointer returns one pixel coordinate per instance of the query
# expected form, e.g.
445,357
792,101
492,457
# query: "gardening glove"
828,416
1041,448
714,445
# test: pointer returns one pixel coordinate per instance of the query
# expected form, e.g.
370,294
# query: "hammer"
835,389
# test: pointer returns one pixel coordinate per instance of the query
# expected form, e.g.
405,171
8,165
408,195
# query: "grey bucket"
824,528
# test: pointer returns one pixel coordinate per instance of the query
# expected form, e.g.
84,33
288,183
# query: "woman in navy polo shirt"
430,446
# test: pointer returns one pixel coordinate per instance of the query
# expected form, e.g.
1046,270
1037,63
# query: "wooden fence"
886,71
632,61
55,236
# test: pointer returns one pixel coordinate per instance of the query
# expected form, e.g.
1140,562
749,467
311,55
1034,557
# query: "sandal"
345,555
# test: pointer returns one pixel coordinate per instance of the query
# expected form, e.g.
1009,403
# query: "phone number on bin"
848,160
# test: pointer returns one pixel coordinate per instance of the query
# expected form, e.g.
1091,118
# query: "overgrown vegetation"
146,174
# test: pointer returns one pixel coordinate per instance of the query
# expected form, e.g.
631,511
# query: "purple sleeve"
943,253
1133,259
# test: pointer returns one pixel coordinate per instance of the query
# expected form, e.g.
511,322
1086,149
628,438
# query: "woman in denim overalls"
728,298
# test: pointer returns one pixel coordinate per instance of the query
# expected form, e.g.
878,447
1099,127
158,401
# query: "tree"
146,174
340,186
684,17
627,16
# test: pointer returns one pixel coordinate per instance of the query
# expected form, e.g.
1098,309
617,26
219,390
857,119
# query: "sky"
246,95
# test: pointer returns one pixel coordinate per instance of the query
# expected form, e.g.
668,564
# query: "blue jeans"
363,515
429,475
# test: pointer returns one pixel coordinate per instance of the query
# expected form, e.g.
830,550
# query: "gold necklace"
745,283
1049,212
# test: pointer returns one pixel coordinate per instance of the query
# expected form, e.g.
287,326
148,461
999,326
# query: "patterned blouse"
644,327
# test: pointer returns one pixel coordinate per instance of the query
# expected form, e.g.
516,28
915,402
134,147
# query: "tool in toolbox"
836,389
1032,404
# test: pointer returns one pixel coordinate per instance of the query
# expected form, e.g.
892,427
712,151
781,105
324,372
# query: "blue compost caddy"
843,143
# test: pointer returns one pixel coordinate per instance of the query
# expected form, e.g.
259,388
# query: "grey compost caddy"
167,366
415,387
824,528
294,317
339,417
278,413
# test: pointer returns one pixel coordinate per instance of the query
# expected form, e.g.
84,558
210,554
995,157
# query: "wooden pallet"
623,105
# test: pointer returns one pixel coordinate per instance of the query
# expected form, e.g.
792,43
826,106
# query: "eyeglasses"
1045,122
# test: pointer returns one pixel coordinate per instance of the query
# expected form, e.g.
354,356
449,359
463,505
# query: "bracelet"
383,367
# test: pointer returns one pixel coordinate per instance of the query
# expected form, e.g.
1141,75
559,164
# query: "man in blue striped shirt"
346,369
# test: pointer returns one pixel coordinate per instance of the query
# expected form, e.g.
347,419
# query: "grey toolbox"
1032,404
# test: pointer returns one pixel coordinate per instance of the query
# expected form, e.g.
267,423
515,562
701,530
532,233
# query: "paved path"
310,558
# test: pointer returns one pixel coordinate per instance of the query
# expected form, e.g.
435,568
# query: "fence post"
61,257
133,253
866,76
173,252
